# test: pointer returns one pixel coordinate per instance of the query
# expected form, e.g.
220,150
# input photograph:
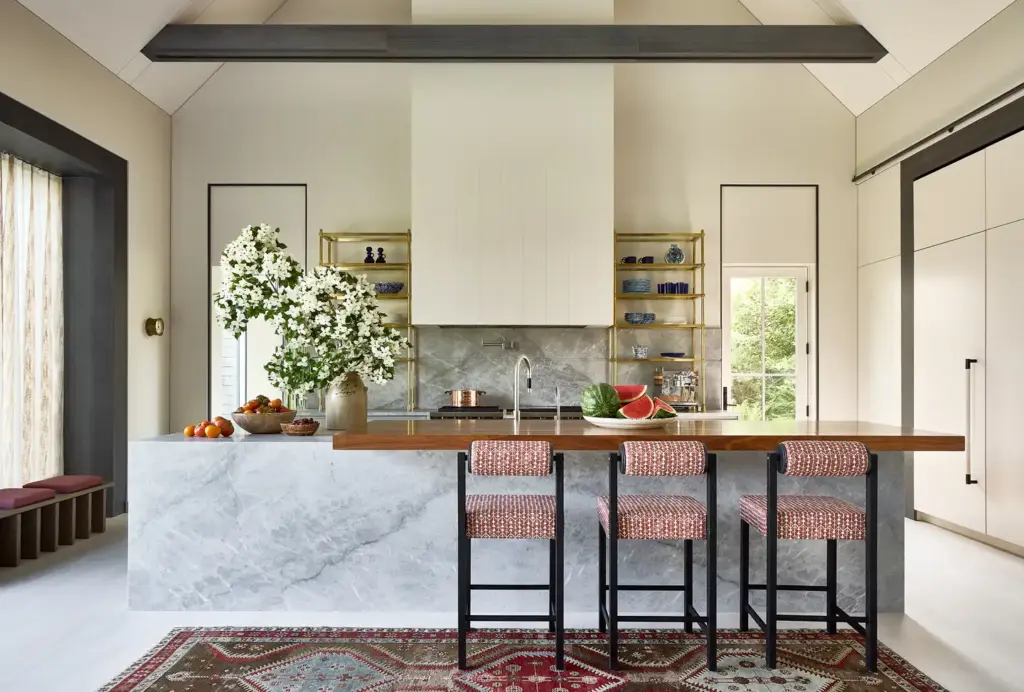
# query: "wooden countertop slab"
578,435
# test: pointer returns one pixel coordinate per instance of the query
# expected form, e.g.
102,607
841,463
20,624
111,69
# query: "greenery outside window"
765,342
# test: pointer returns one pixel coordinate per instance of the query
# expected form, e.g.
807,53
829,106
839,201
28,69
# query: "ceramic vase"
674,254
346,403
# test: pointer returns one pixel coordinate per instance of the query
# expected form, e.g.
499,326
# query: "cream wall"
680,132
683,130
46,72
976,70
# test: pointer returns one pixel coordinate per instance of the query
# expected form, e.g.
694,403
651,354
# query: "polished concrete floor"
66,627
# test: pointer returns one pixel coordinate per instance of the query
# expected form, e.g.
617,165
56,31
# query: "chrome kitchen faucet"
516,414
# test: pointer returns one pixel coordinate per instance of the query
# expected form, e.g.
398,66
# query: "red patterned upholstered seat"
510,458
510,516
657,517
665,458
63,485
807,517
824,458
13,498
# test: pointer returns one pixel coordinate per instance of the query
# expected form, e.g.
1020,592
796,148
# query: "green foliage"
776,354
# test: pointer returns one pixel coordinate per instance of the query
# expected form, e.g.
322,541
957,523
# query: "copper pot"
466,397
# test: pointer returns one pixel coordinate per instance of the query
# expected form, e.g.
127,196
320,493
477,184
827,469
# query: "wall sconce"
155,326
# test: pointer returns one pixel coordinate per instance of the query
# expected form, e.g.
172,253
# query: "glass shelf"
657,267
656,237
659,296
361,237
657,360
366,266
627,325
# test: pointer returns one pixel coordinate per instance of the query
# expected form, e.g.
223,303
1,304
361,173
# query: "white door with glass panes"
765,342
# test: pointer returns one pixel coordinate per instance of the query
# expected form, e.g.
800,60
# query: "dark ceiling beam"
511,43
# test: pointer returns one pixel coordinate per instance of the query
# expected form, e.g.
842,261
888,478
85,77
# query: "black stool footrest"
648,587
509,618
789,587
509,587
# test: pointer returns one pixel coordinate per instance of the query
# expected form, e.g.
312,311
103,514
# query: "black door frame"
95,253
814,282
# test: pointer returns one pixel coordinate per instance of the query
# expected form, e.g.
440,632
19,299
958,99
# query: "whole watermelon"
600,401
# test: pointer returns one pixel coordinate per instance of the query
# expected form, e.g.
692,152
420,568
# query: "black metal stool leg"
552,577
871,567
602,578
771,573
613,565
831,586
463,567
688,584
712,564
559,562
744,575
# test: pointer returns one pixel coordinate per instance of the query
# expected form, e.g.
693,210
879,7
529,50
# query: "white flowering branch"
330,320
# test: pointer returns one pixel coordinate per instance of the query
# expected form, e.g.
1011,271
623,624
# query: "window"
765,342
31,324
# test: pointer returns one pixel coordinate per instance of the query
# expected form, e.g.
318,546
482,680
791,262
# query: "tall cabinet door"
1005,367
949,327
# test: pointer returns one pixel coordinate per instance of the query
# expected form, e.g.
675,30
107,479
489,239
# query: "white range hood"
512,180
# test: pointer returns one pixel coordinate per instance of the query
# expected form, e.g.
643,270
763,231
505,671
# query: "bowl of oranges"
218,427
263,416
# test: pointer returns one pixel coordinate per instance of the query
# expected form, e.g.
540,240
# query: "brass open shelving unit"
336,251
691,305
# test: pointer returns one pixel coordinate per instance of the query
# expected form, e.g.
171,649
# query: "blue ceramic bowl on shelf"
648,318
636,286
635,317
389,286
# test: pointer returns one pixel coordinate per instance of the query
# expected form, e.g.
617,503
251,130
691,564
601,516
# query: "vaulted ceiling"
113,32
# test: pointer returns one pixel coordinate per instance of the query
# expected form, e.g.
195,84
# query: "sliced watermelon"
662,410
641,409
630,392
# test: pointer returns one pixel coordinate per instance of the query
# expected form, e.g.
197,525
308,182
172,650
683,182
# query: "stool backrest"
657,458
824,458
510,458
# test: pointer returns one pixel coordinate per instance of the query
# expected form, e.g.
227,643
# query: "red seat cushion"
657,517
510,516
807,517
64,485
12,498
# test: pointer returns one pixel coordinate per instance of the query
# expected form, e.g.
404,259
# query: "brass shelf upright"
333,256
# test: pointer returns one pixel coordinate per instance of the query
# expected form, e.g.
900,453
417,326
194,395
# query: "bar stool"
805,517
512,517
657,518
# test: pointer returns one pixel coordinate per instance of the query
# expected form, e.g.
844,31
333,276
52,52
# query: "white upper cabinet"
878,217
1005,376
1004,173
950,203
949,327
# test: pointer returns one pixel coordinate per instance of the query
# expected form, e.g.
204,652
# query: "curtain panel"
31,324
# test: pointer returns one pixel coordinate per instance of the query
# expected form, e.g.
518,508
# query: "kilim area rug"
351,660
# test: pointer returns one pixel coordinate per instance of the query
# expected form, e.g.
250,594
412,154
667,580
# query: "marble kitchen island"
365,522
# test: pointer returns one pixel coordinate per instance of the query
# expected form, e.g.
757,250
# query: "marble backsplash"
566,358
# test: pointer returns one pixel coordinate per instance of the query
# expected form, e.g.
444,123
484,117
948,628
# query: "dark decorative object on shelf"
674,254
389,286
369,256
381,257
649,259
628,259
674,288
673,354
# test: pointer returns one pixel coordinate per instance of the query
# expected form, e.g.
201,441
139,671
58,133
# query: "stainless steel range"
496,412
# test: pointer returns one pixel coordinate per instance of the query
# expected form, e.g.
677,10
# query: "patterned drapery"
31,324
